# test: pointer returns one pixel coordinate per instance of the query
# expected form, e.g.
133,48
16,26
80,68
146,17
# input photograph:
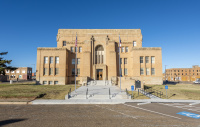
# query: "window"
186,74
17,71
134,43
78,60
45,60
72,49
64,43
141,71
57,59
12,71
80,49
51,59
153,59
23,71
55,82
125,71
73,71
78,71
126,49
44,82
50,71
147,59
56,71
141,59
45,71
120,60
73,61
50,82
7,71
152,71
125,60
182,73
147,71
122,49
75,49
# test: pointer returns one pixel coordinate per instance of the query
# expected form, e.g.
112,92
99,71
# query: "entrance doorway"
99,74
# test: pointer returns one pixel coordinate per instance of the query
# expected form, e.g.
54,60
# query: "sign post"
132,89
166,87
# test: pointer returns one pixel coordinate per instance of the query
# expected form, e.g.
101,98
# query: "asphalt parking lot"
128,114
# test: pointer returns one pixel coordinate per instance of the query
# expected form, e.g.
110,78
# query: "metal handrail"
109,93
87,93
69,93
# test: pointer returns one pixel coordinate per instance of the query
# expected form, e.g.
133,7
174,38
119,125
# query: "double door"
99,74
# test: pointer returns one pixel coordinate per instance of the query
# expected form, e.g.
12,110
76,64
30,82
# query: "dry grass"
135,95
33,91
180,91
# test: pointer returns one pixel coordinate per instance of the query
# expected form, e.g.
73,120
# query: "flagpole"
119,61
75,60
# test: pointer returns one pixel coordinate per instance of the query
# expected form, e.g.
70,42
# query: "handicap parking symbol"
189,114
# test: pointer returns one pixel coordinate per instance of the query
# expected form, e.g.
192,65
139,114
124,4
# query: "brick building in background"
22,73
98,58
183,74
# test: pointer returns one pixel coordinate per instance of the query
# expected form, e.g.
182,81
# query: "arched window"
99,53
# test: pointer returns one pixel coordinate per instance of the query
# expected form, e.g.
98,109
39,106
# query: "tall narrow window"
78,71
73,61
125,71
45,71
56,71
50,82
57,59
122,49
120,60
153,59
75,49
73,71
55,82
141,71
134,43
50,71
45,59
125,60
78,60
51,59
72,49
64,43
147,59
141,59
80,49
152,71
147,71
126,49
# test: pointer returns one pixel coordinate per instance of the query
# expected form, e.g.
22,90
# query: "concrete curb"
15,103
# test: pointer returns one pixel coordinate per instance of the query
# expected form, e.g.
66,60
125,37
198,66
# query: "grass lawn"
179,91
33,91
135,95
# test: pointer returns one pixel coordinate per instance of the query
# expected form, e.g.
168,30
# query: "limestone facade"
98,58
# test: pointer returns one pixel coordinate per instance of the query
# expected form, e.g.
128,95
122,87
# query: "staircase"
98,90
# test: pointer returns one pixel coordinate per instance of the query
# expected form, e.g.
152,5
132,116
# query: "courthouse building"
183,74
98,58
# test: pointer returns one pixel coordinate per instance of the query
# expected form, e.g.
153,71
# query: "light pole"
33,68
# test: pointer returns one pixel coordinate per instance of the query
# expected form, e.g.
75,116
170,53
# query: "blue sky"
173,25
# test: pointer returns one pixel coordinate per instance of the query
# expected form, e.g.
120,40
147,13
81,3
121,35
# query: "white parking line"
117,112
152,111
181,107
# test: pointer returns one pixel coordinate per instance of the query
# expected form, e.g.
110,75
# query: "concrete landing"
97,92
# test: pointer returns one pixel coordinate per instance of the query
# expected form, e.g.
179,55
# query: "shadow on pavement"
10,121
